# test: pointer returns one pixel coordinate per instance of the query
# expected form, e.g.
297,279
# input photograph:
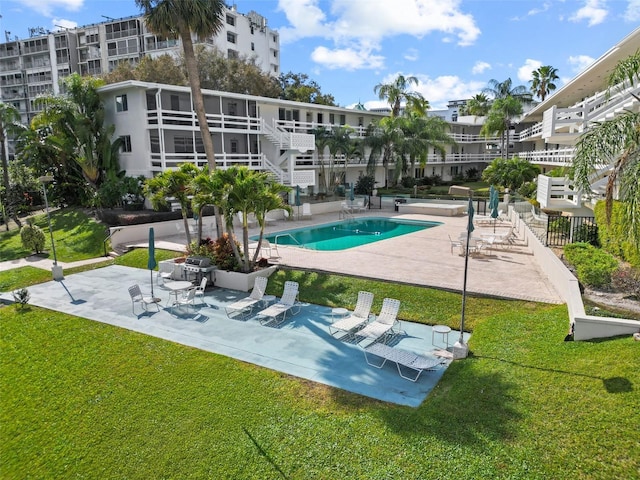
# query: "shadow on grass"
611,385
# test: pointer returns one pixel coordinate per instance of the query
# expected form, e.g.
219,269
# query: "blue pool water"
347,233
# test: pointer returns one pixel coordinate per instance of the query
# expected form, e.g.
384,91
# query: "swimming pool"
347,233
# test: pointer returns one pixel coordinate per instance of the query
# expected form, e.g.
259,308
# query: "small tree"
32,237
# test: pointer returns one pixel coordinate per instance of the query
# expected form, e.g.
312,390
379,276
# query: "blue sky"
453,47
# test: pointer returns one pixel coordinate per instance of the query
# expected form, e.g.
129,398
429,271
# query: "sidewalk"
45,263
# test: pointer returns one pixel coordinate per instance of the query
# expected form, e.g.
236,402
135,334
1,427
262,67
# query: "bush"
408,182
32,237
614,237
364,185
594,266
223,253
21,297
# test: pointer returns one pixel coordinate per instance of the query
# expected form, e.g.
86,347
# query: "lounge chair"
145,300
165,272
358,318
455,244
384,324
402,358
277,312
244,307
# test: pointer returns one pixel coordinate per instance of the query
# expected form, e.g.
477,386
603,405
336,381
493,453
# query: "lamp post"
56,269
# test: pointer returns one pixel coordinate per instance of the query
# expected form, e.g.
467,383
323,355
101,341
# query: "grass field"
87,400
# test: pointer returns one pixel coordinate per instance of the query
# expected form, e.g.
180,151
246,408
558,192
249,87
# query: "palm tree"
172,18
510,173
381,139
506,89
478,105
615,142
499,120
397,92
176,184
322,137
339,143
9,119
542,82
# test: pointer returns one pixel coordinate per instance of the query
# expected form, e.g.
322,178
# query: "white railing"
560,157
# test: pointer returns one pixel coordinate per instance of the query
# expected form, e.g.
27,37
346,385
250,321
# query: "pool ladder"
291,237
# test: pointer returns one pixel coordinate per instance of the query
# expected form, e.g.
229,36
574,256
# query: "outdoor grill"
199,266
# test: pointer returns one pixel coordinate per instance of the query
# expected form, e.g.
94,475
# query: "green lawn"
77,237
87,400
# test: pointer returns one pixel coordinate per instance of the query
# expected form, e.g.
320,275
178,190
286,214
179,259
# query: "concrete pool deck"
422,258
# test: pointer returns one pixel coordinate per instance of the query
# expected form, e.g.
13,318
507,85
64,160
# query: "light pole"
56,269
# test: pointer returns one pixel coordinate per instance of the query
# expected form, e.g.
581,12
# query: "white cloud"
46,7
440,90
480,67
347,58
632,13
536,11
362,25
592,11
61,23
412,55
525,71
580,62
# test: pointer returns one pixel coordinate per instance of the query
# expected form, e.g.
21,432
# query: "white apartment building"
35,65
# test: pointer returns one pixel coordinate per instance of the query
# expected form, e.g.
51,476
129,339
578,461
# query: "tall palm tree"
322,137
171,18
615,142
398,92
339,143
506,89
542,82
499,120
9,118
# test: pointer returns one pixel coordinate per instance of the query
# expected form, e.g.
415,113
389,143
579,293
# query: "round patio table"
175,288
442,330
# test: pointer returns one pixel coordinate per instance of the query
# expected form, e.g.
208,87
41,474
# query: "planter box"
241,281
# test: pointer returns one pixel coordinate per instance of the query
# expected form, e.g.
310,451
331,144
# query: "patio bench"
409,360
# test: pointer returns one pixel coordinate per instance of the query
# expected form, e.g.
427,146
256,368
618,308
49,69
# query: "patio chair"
165,272
244,307
454,244
200,290
358,318
269,250
384,324
145,300
187,299
413,363
277,313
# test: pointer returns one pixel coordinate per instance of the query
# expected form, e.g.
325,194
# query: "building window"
343,119
175,102
126,144
231,37
231,20
234,146
275,38
233,108
121,103
253,46
275,54
332,118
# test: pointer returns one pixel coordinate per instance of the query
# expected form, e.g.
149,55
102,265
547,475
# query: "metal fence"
564,230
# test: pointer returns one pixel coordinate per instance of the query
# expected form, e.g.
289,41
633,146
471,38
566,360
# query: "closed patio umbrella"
493,205
297,200
151,263
460,346
351,193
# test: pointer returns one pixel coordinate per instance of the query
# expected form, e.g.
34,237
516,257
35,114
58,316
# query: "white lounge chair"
277,312
384,324
165,272
402,358
145,300
359,317
244,307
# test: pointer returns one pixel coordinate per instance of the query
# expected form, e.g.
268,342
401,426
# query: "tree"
298,88
398,92
73,125
9,121
616,143
542,82
171,18
506,89
162,69
478,105
499,120
510,173
381,139
174,184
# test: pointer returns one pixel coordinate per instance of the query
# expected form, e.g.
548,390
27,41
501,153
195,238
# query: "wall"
584,326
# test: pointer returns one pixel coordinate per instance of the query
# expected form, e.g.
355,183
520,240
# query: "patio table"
175,288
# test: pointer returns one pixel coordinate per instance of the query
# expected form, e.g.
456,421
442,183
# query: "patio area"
301,346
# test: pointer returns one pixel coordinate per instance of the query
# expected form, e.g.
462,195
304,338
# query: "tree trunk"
198,105
5,174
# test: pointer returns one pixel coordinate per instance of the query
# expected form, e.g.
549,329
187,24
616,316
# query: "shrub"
32,237
593,265
223,252
614,237
408,182
364,185
21,297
